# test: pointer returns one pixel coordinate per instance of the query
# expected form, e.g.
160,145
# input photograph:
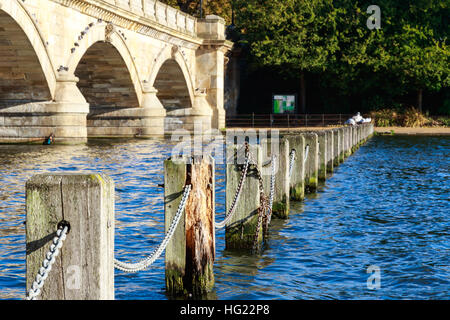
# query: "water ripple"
387,205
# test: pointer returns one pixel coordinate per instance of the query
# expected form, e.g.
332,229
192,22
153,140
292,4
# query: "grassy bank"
409,117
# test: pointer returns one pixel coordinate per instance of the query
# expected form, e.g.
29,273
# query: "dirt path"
415,131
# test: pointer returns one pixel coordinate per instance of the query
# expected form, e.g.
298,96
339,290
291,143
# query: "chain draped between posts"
48,262
237,195
145,263
272,188
264,218
265,207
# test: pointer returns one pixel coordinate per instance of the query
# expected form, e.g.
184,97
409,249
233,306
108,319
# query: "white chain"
49,260
146,262
232,210
272,189
306,154
291,162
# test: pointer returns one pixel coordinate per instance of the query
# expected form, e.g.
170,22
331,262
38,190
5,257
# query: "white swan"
358,118
350,122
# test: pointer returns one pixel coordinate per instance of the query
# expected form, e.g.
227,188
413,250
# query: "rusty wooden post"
84,269
190,253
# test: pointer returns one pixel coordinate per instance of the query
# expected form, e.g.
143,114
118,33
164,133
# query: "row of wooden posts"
85,267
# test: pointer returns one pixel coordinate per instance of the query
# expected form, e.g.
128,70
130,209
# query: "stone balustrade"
156,11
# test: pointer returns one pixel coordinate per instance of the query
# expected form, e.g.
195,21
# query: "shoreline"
422,131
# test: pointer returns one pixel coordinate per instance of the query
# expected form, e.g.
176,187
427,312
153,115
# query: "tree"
332,40
416,45
221,8
296,35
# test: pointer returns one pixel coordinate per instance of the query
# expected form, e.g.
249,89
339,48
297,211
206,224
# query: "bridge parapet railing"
159,12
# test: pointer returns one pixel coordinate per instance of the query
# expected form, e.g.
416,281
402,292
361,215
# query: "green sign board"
284,103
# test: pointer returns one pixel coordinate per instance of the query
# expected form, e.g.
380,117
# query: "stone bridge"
107,68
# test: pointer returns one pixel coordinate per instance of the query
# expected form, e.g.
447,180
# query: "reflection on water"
387,205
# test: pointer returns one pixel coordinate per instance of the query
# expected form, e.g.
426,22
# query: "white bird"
358,118
350,122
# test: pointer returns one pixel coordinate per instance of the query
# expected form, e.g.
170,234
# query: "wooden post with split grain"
280,205
190,253
241,230
312,162
297,178
84,269
322,138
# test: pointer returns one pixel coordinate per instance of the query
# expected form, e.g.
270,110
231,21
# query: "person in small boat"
49,140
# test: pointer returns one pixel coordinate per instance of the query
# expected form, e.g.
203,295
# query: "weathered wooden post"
280,205
363,133
242,229
345,141
336,147
297,172
84,269
341,145
330,150
322,138
350,138
359,135
355,139
347,131
190,253
312,162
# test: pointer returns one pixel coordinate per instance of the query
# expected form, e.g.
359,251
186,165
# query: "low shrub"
413,118
408,117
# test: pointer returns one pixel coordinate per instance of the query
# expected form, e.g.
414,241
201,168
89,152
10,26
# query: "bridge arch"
170,75
27,73
101,53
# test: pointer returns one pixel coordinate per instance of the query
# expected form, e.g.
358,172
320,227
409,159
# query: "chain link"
48,262
237,195
272,190
146,262
306,154
263,207
291,162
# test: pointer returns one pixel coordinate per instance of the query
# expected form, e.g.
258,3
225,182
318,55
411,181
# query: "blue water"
387,206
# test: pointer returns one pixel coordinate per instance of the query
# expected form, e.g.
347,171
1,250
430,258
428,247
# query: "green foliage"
409,117
330,38
444,121
221,8
297,35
